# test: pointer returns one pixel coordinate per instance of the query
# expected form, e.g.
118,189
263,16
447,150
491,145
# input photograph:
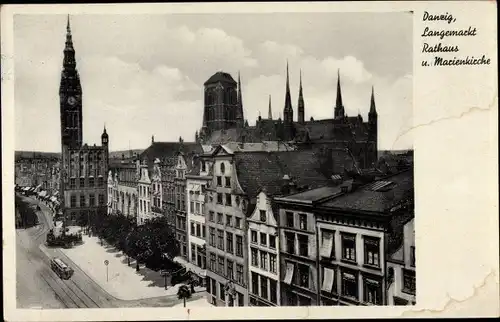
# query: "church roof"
221,77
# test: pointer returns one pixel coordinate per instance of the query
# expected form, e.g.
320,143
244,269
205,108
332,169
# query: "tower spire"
339,107
270,112
239,106
373,110
301,107
288,110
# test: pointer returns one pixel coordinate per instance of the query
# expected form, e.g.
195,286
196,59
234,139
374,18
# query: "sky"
143,75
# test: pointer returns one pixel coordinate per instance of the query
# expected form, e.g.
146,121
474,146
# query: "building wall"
84,183
180,206
226,217
168,187
144,196
196,221
338,261
293,294
263,275
400,291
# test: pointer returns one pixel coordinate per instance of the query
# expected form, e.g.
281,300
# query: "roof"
167,150
313,195
377,196
260,146
266,170
220,77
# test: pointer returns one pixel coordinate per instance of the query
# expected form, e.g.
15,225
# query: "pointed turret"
288,110
301,107
104,137
270,112
339,107
239,106
373,110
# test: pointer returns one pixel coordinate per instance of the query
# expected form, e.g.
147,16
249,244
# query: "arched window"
222,168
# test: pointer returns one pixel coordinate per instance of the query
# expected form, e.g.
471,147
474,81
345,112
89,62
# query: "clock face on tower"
71,101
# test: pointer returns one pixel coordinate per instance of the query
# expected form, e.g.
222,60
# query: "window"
228,182
72,183
203,231
193,253
237,222
229,220
211,216
91,200
229,242
303,275
272,241
263,260
328,279
272,263
220,238
208,283
91,182
101,199
230,266
349,247
82,200
197,207
82,182
290,243
100,181
263,239
191,206
212,263
253,253
349,285
372,292
73,201
219,198
239,246
289,219
198,230
221,265
239,273
263,287
303,221
372,251
273,291
408,281
212,236
255,283
253,236
222,293
192,228
303,245
327,244
219,181
412,256
219,218
262,215
228,199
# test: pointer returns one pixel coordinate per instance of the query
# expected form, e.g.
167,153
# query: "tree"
183,293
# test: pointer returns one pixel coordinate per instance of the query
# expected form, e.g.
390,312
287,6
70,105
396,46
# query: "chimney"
152,139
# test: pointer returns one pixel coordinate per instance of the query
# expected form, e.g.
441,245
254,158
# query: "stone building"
144,198
122,188
83,167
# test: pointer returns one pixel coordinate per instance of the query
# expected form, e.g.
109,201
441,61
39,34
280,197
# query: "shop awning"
328,277
190,266
289,273
42,193
326,247
38,187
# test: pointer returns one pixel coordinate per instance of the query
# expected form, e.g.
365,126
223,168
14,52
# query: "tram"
61,269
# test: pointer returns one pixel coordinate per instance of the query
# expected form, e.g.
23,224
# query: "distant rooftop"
313,195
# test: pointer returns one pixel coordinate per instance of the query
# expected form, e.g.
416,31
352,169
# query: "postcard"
276,160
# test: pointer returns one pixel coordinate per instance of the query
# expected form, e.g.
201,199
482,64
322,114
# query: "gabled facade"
227,258
263,250
180,205
156,190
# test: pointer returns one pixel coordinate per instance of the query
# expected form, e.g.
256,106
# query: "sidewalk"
195,303
123,282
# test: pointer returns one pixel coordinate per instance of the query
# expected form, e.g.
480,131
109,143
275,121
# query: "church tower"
301,107
70,96
222,106
239,108
288,110
339,107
